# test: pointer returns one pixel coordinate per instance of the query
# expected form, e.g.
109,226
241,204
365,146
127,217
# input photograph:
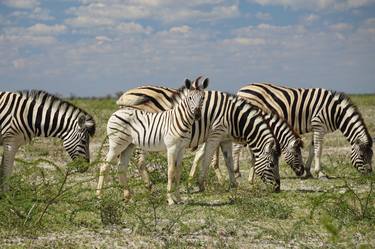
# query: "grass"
53,205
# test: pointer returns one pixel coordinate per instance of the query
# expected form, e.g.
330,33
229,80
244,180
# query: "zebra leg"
226,148
7,163
318,146
123,170
251,166
236,159
142,169
104,168
216,165
309,160
208,152
197,160
172,166
177,176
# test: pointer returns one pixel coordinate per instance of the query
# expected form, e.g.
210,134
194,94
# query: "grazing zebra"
169,130
290,145
224,118
28,114
319,111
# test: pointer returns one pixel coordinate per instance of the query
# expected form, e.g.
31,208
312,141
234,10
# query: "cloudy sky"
95,47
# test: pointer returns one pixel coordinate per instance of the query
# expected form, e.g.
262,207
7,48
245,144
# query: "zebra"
319,111
34,113
169,130
290,144
224,118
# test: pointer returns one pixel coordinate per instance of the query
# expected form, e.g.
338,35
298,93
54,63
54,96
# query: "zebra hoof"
322,176
173,200
233,185
150,187
201,188
308,175
237,174
127,195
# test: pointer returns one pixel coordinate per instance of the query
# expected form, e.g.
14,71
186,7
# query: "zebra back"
298,106
148,98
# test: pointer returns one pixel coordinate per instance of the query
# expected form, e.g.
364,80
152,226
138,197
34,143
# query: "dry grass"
51,205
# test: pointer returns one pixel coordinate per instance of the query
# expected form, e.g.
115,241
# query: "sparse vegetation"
52,204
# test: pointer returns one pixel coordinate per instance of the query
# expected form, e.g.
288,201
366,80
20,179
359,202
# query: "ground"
52,205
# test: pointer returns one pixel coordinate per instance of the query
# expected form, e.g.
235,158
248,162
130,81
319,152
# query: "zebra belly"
158,146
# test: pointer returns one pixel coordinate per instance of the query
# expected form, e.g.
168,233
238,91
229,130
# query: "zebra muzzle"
197,114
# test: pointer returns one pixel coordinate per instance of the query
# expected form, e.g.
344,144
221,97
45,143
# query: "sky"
96,48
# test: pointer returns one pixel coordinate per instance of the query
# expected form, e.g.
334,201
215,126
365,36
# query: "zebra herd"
268,119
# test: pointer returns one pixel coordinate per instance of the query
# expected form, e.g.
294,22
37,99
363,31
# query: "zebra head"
195,95
267,164
361,156
293,156
76,143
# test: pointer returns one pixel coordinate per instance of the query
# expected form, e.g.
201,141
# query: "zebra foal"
319,111
28,114
169,130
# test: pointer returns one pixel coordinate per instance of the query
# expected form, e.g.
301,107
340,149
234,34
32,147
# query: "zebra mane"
38,95
295,134
342,97
179,94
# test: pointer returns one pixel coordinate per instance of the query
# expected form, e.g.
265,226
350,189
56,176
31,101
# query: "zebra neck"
51,121
352,126
244,121
183,115
280,129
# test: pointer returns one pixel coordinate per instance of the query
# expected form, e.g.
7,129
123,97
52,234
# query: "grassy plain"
51,205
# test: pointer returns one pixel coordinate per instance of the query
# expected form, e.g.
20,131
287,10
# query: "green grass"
52,205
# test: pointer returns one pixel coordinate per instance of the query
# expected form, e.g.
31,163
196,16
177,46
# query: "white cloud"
38,35
89,21
21,4
180,29
20,63
133,27
26,39
245,41
370,21
41,28
340,27
115,46
102,39
109,13
263,16
311,18
36,14
317,4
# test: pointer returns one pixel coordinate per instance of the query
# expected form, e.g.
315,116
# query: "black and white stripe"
168,131
28,114
290,145
224,118
319,111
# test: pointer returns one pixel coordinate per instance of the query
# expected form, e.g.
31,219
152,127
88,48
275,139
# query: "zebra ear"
85,121
270,146
188,84
81,121
205,83
298,143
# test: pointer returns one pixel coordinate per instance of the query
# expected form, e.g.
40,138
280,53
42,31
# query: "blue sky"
95,48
